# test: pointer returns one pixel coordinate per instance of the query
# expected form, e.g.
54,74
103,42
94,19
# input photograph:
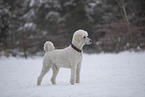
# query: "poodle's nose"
90,40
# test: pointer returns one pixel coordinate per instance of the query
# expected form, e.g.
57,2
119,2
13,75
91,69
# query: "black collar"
75,48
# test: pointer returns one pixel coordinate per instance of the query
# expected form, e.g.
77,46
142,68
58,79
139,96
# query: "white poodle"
70,57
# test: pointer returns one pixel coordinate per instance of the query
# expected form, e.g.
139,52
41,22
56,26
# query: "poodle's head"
81,37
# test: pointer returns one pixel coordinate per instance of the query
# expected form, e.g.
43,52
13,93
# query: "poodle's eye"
84,37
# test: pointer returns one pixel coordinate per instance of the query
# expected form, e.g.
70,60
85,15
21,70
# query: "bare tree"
123,10
121,5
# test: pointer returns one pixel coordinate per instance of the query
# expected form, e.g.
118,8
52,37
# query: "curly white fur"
67,58
48,46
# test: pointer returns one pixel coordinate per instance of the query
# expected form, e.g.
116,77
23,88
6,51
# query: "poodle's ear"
77,38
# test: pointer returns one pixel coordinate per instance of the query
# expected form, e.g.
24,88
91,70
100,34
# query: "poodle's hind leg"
43,72
55,72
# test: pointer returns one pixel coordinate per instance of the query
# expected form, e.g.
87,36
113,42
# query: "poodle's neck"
79,46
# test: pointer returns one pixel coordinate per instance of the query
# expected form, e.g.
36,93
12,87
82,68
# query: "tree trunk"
25,53
124,15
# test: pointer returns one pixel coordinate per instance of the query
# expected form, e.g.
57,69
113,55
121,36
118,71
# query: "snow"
28,25
32,3
52,15
102,75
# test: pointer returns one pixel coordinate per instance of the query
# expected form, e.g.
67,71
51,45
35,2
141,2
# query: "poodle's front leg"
73,73
78,72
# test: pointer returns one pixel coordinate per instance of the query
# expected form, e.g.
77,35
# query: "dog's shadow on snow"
56,85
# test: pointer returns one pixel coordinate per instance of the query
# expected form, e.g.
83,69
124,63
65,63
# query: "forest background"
113,25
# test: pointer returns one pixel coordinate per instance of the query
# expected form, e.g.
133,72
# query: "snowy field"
102,75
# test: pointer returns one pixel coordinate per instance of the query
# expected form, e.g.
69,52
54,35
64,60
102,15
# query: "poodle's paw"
38,83
72,82
53,82
77,81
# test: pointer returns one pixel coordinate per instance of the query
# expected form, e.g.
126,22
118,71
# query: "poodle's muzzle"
87,41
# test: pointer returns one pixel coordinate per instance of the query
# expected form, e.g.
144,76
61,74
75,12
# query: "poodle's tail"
48,46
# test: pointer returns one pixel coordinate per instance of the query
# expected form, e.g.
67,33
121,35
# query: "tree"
121,5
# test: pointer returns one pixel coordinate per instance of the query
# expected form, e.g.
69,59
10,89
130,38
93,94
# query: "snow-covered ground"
102,75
